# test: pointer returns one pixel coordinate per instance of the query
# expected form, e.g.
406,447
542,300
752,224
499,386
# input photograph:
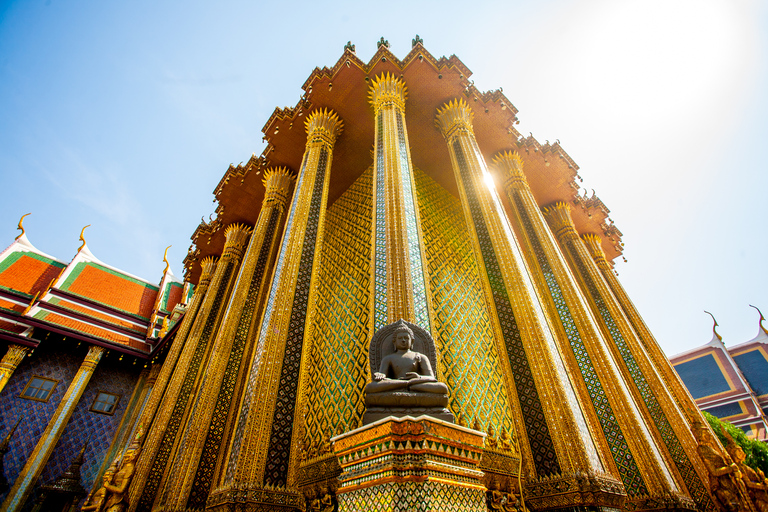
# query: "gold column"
263,456
169,417
398,281
50,436
10,362
648,387
653,350
637,460
169,364
192,471
554,439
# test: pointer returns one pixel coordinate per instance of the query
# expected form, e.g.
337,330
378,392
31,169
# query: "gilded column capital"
559,217
277,181
511,166
388,91
93,356
209,266
14,356
454,117
595,248
323,126
237,236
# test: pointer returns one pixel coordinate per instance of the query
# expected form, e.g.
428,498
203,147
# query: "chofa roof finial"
714,327
21,225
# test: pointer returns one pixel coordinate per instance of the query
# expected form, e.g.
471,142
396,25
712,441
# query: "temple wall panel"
97,429
341,330
469,361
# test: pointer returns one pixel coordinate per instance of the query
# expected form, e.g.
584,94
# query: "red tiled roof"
11,305
111,288
173,297
28,272
11,327
83,327
101,316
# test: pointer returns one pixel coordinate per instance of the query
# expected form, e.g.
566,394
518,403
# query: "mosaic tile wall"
469,361
340,333
97,429
35,415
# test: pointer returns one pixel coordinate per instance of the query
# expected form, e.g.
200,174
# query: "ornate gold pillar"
10,362
627,444
398,280
554,439
50,436
649,388
264,453
192,471
652,349
162,435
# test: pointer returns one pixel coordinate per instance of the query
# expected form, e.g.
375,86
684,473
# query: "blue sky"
125,115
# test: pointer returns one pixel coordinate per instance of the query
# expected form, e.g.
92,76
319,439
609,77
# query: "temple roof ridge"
23,244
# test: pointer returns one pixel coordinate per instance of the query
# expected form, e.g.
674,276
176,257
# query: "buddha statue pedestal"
399,404
404,464
403,383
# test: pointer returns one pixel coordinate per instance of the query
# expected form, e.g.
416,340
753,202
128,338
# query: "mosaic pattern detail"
690,477
174,423
414,497
278,455
544,455
380,281
340,331
469,360
97,429
35,415
253,372
625,461
421,311
206,466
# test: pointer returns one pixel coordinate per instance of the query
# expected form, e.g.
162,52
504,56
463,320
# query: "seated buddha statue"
405,383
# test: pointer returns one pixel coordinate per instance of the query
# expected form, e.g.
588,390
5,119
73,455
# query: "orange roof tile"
172,296
98,332
6,304
11,327
111,288
28,272
97,315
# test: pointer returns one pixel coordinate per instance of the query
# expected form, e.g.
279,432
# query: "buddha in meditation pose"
404,370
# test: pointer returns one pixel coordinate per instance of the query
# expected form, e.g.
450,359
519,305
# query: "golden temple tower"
395,190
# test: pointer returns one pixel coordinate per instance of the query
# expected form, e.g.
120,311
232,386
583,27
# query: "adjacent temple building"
402,304
730,382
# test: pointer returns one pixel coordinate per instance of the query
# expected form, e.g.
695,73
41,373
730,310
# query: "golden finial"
761,318
82,238
714,327
21,225
165,259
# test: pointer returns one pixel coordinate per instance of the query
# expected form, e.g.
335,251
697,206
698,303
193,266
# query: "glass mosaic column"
192,471
50,436
162,435
658,406
398,279
11,360
626,440
264,451
552,432
653,350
